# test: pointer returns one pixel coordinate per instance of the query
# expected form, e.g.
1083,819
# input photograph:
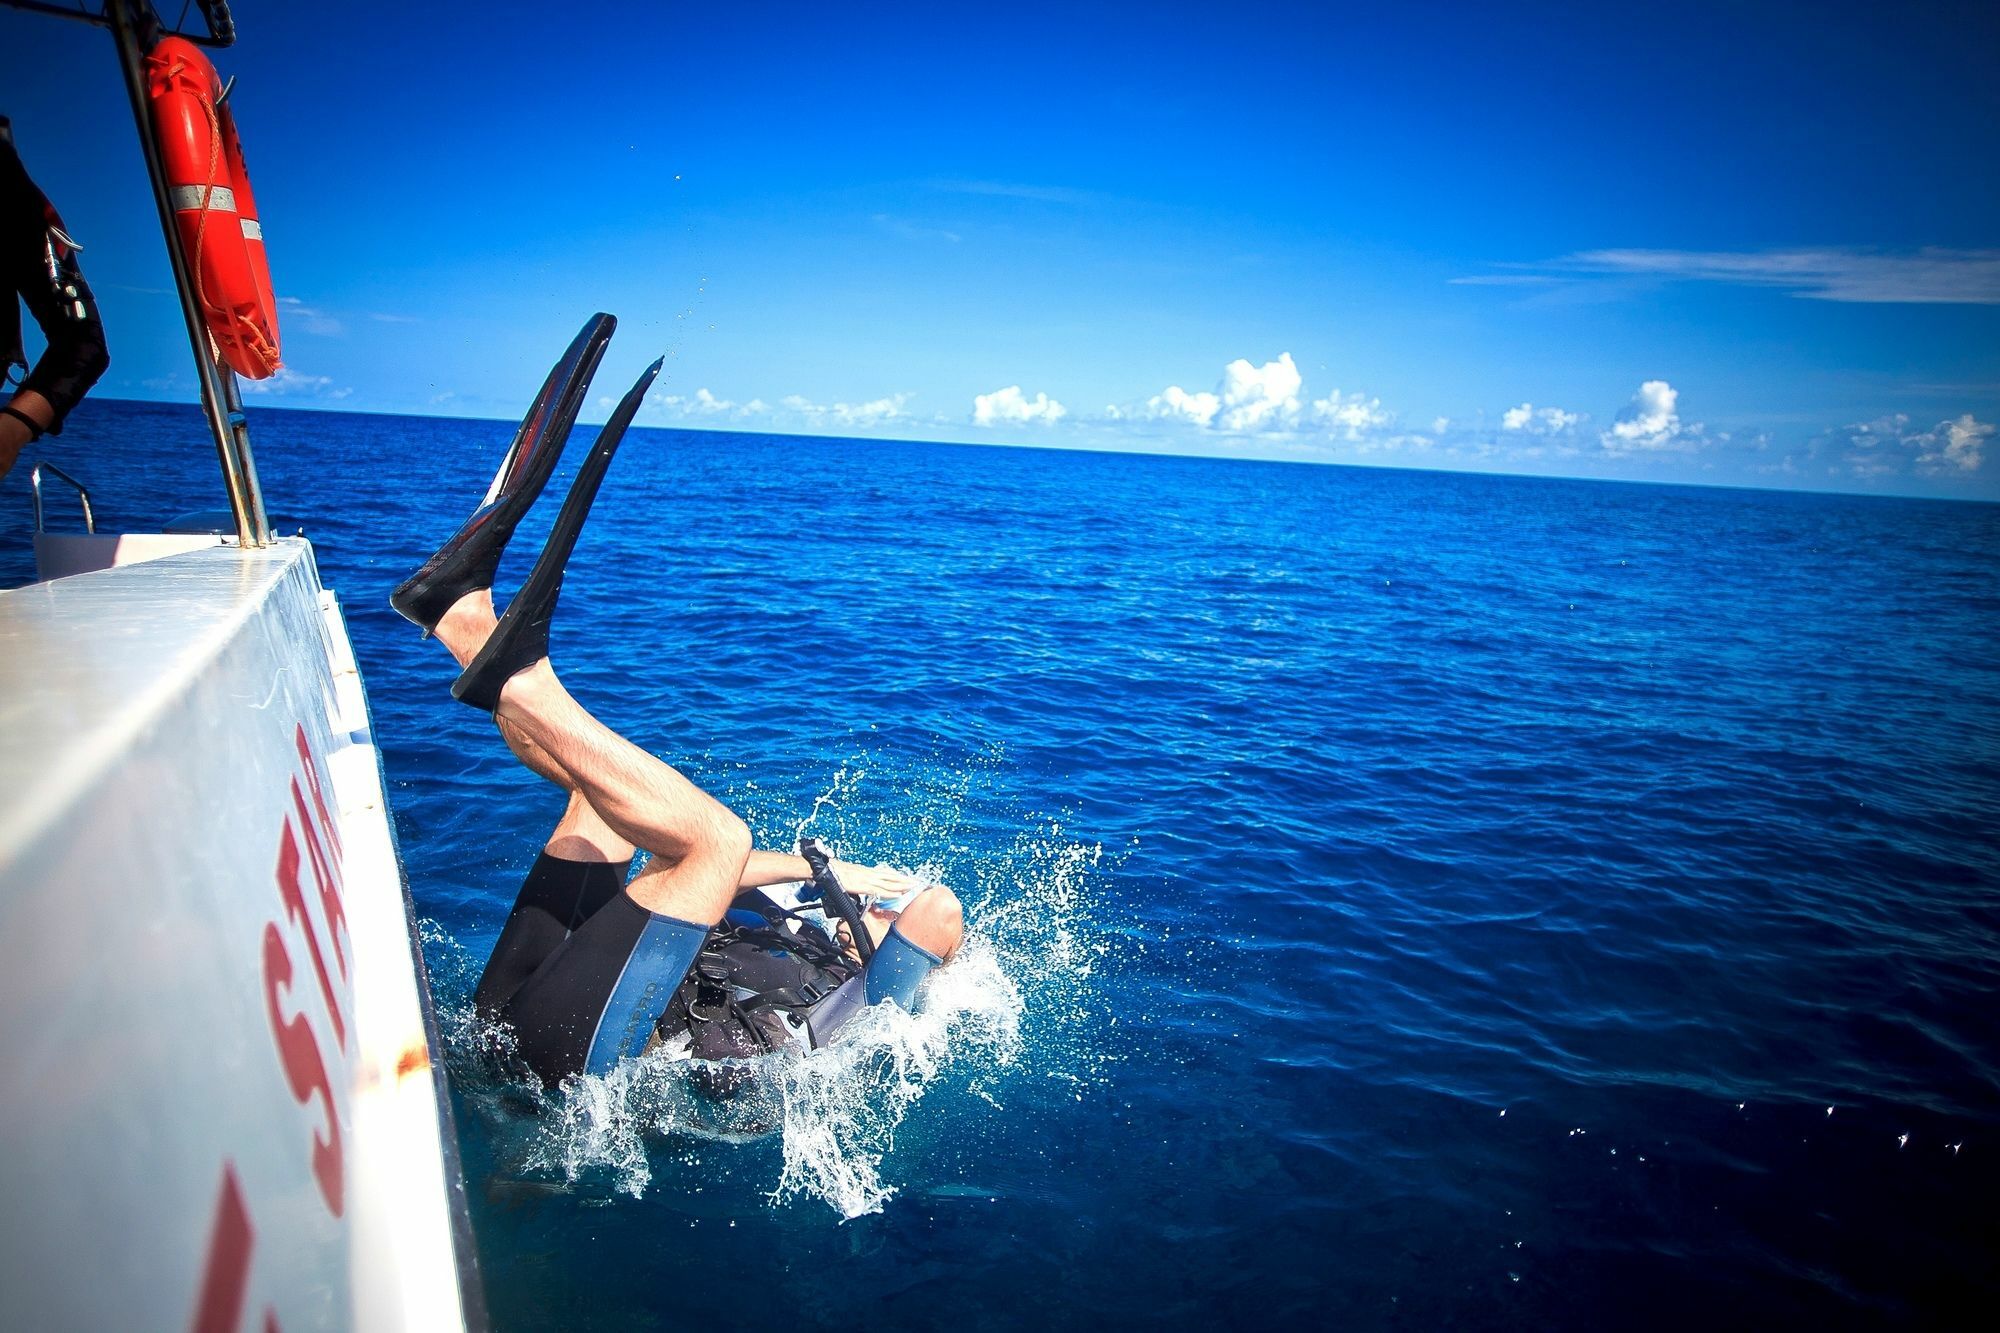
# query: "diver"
41,267
591,969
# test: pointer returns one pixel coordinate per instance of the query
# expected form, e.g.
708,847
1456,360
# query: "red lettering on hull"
305,1071
227,1272
295,908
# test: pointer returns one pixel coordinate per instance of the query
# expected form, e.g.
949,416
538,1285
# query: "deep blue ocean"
1396,899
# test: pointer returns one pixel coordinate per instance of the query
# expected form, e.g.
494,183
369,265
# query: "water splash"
843,1105
1021,995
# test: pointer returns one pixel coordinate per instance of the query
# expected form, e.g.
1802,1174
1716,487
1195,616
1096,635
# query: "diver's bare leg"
582,834
622,795
699,846
461,630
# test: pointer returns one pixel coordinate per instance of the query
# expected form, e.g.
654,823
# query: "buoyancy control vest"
759,974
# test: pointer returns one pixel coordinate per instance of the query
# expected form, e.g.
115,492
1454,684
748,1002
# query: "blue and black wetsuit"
586,976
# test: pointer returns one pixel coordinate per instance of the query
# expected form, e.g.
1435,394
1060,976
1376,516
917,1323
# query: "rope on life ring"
220,235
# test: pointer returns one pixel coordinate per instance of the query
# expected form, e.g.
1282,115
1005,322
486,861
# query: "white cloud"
1265,400
1928,276
288,383
705,404
1529,419
870,413
1441,425
1960,449
702,403
1353,415
1652,422
1010,405
1247,400
1883,446
1258,397
1177,403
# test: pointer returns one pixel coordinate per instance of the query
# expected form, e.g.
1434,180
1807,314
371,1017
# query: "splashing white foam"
843,1105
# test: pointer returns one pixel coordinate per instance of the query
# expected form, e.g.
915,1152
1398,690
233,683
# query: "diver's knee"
727,836
934,920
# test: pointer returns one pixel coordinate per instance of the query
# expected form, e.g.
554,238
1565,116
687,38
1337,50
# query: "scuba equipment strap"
842,902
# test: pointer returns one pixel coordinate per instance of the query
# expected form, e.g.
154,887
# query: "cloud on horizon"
792,409
1247,400
289,383
1888,444
1265,406
1354,417
1651,422
871,413
1010,406
1528,419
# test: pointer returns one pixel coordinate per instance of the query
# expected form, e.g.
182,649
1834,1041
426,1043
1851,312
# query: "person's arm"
767,868
60,301
868,882
75,357
16,434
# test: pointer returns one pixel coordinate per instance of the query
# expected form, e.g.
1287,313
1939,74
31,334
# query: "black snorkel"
839,899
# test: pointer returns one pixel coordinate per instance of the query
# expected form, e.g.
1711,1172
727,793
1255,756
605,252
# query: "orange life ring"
219,231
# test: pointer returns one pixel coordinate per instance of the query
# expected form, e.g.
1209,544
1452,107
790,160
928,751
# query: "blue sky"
1745,244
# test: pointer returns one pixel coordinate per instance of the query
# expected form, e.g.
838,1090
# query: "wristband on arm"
35,430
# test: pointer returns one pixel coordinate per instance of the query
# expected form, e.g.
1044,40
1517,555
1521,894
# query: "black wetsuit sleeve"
76,354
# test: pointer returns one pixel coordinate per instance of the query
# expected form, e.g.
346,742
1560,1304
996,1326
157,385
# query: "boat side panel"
220,1103
178,1034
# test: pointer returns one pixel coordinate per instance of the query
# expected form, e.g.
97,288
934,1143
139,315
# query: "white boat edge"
223,1089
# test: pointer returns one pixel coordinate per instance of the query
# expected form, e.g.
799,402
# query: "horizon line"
327,410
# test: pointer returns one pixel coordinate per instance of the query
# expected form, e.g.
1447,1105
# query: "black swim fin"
466,562
522,637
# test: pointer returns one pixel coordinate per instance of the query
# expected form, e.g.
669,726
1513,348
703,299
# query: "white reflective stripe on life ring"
253,230
214,197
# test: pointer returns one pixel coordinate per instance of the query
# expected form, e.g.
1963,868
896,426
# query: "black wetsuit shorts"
581,972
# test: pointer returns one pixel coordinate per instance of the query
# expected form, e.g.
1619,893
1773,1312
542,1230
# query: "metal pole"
219,399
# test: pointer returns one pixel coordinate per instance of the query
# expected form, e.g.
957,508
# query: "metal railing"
135,26
35,481
130,20
221,28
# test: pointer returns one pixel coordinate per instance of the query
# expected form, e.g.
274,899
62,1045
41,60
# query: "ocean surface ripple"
1396,898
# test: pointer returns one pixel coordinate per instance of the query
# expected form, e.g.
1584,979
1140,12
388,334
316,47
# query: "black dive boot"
466,562
522,637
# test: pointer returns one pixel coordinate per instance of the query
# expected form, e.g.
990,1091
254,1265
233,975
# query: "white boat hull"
221,1106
